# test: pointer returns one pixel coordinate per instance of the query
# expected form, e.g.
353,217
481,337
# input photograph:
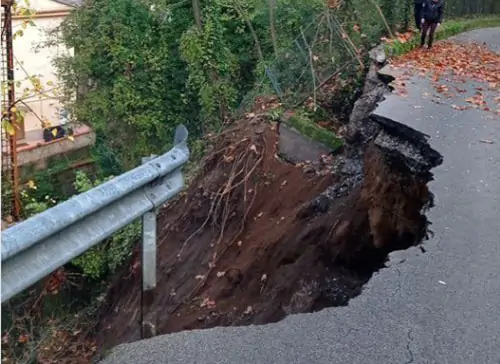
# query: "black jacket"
418,2
433,10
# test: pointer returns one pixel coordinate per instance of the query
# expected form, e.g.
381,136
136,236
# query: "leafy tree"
211,64
140,68
129,76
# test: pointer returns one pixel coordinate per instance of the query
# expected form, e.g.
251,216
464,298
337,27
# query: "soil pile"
255,239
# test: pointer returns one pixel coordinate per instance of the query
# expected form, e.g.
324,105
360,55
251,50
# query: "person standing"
417,10
432,16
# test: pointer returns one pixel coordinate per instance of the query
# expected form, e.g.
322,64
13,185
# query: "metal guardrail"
38,246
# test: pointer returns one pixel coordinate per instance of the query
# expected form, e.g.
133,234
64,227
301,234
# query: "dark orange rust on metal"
14,170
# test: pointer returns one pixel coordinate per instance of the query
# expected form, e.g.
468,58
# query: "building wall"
33,58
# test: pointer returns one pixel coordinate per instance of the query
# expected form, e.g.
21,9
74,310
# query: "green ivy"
105,257
142,67
130,77
212,66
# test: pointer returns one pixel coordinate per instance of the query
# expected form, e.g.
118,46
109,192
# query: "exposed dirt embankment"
255,239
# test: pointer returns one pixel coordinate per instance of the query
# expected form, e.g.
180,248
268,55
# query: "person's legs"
432,29
425,28
418,15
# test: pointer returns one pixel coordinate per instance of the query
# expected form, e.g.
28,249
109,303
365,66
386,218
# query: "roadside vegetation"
142,67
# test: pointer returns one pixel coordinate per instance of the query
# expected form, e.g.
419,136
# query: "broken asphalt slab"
296,148
442,306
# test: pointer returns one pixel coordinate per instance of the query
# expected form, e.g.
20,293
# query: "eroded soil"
251,242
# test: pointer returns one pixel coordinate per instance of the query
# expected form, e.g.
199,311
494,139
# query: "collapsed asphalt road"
438,306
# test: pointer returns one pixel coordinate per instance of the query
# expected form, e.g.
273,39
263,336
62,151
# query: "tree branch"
252,30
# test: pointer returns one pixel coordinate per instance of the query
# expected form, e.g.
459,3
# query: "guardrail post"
148,328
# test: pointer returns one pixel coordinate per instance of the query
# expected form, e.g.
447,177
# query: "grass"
447,29
310,129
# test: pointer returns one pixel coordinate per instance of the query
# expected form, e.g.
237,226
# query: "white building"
32,58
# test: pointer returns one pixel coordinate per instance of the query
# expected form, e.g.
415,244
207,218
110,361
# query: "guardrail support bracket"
148,328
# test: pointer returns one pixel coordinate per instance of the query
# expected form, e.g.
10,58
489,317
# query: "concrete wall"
37,60
38,155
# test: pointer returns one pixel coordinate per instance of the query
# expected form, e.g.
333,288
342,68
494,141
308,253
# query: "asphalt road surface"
442,306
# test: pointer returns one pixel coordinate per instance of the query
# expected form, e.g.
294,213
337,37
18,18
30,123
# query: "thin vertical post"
148,327
11,96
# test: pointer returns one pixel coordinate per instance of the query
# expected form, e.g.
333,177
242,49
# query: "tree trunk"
197,15
272,6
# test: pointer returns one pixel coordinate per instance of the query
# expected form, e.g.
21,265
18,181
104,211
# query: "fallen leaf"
455,62
23,338
442,88
207,302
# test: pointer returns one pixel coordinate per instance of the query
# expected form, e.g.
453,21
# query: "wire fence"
10,199
318,55
45,186
32,178
317,65
331,51
327,53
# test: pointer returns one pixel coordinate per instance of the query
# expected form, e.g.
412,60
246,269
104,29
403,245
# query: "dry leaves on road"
457,62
